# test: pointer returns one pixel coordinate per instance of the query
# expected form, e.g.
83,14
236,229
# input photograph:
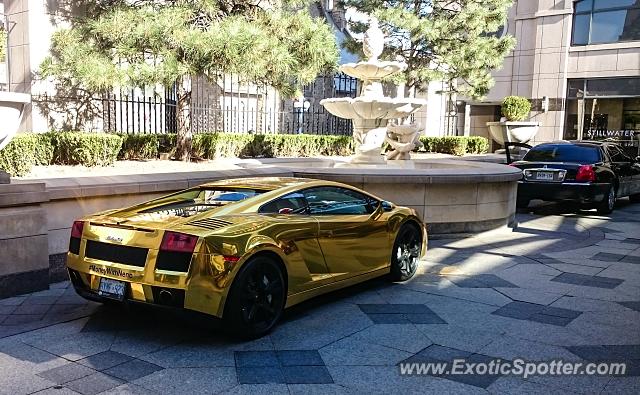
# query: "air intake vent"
210,223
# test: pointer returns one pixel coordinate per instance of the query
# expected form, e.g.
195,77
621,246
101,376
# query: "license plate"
544,175
111,288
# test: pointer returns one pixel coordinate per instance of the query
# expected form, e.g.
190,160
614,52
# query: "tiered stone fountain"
451,195
371,110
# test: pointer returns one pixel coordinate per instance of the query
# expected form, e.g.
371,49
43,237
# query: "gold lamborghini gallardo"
244,249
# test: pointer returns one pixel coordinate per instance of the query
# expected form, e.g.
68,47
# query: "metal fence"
225,105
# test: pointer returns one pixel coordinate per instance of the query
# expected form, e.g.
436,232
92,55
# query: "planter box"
519,132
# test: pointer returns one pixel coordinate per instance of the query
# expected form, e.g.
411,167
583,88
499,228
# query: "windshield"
563,153
195,201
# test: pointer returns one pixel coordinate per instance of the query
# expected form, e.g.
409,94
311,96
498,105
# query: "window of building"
604,109
605,21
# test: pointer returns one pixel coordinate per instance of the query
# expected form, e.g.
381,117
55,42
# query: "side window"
292,203
337,201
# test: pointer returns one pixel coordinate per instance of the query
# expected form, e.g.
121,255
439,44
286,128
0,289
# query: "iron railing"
226,105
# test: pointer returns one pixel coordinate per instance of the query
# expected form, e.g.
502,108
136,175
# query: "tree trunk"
183,115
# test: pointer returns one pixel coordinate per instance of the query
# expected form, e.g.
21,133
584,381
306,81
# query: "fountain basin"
363,107
11,107
372,70
451,195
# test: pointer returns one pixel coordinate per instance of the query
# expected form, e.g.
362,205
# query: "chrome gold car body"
184,250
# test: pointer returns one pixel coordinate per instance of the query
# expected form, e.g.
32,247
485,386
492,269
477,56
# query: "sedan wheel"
256,299
406,253
608,203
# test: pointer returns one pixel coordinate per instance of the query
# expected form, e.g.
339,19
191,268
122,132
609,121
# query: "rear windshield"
198,200
563,153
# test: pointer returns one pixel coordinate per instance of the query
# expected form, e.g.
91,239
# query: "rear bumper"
579,192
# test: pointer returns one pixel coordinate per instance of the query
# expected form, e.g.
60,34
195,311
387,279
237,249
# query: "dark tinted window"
293,203
563,153
197,200
334,200
605,21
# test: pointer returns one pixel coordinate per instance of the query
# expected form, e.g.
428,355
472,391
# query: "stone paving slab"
561,286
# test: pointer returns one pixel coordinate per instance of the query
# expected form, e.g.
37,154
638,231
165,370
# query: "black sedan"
591,173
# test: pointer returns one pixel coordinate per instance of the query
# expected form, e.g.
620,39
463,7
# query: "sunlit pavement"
563,285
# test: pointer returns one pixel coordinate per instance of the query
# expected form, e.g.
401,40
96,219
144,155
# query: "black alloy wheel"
256,299
608,203
406,253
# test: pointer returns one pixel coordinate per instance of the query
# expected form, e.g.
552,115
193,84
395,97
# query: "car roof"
263,183
575,142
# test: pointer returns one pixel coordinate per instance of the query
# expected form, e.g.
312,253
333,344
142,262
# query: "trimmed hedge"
100,149
139,146
220,145
455,145
63,148
25,151
87,149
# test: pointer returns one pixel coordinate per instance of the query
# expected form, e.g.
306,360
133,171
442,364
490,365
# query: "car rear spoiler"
509,144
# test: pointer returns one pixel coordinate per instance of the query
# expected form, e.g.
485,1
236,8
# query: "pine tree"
123,43
441,40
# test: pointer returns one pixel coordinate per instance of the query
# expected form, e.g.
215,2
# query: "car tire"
406,252
635,198
256,299
608,203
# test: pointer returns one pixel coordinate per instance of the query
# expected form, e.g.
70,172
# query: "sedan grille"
210,223
126,255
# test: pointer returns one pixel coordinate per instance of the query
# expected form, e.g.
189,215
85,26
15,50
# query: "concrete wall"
24,262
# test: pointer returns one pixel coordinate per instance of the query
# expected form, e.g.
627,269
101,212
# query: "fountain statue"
403,138
371,110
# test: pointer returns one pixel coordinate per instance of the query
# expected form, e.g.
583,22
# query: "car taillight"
586,173
76,229
178,242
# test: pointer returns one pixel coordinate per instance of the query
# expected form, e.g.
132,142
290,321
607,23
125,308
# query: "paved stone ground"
562,285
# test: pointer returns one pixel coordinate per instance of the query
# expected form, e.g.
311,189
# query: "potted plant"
513,127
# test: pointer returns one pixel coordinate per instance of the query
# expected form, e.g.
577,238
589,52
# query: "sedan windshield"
195,201
563,153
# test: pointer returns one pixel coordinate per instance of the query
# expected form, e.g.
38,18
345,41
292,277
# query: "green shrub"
18,157
515,108
477,145
220,145
455,145
139,146
88,149
167,143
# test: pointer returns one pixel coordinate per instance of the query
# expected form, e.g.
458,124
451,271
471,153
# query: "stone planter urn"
11,109
511,131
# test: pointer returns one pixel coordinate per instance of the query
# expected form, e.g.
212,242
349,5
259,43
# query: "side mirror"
386,206
637,159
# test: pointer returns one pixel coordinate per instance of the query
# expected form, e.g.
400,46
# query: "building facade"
579,64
